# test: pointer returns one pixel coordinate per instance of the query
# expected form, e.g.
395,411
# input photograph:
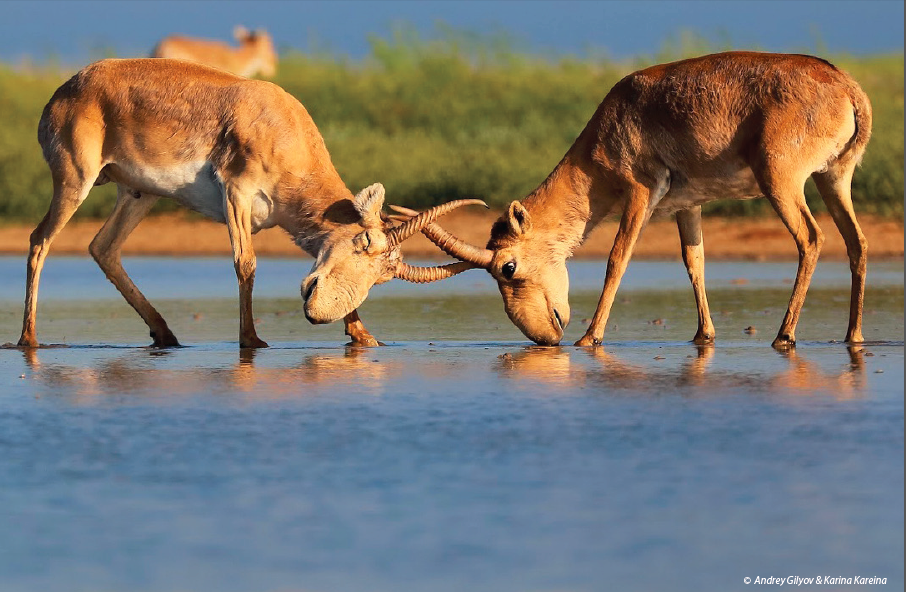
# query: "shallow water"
457,457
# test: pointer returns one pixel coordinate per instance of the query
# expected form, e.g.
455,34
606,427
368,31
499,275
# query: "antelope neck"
314,210
560,209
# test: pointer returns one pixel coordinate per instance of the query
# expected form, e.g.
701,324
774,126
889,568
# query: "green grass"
461,116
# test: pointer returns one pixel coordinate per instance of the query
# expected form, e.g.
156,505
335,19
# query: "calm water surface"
457,457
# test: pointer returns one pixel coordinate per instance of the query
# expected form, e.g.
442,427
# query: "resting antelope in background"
667,139
254,55
241,152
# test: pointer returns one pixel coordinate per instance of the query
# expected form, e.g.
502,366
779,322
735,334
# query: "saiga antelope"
255,53
241,152
670,138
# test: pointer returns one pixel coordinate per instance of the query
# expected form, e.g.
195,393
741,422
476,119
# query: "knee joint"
98,252
245,268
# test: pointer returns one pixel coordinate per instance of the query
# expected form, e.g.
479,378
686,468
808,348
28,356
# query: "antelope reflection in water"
329,372
597,368
139,373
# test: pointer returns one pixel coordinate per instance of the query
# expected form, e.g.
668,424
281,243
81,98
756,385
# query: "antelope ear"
368,203
240,33
518,218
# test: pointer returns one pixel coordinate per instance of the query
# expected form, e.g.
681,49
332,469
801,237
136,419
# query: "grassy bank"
457,117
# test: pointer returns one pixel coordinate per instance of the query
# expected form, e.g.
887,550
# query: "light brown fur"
670,138
255,54
242,152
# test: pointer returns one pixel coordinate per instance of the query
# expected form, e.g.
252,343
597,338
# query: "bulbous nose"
308,287
546,332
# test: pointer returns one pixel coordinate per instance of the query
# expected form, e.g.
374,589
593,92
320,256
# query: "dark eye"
366,241
509,270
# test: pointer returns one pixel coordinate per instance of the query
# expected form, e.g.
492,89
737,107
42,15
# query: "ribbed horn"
449,244
425,275
397,235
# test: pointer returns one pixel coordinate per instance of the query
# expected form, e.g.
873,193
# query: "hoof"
703,339
784,342
252,343
166,339
588,341
364,342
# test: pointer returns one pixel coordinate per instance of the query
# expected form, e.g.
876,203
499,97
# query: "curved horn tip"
403,210
411,212
474,202
417,223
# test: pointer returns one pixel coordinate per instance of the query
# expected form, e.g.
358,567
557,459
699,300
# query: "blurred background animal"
255,54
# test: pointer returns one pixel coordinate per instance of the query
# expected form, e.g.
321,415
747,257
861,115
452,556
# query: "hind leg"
834,187
689,223
67,196
106,248
785,192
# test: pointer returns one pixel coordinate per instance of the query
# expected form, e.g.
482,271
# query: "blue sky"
77,31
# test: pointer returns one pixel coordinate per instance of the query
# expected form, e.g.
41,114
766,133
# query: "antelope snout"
308,286
547,331
308,289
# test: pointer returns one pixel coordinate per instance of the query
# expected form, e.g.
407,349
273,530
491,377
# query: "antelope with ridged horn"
667,139
244,153
335,285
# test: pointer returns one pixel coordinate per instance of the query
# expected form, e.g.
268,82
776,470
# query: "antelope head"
353,257
531,276
261,45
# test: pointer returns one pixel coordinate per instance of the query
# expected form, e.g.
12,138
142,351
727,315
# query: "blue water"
457,457
68,277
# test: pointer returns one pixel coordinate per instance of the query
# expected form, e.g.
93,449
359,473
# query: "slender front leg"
357,331
635,214
239,222
689,223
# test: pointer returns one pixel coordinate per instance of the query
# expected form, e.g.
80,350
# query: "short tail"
862,112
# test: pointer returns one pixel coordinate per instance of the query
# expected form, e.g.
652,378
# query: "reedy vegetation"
456,117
